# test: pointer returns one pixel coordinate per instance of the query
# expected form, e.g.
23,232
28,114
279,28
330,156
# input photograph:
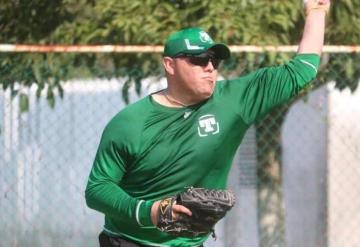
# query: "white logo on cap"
204,37
192,47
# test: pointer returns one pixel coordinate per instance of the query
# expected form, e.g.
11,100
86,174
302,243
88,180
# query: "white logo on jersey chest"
207,125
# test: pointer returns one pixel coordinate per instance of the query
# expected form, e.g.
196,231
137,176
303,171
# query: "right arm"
103,192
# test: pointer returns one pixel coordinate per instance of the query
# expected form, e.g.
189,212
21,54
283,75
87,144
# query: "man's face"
196,76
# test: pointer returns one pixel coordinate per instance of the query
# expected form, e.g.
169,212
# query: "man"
187,134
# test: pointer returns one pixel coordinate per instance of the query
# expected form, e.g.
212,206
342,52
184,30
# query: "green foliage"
344,24
33,21
342,68
149,22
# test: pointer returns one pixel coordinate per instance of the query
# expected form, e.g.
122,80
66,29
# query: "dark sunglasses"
201,60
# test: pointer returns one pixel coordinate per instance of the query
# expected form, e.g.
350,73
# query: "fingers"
316,2
316,5
323,2
179,209
176,211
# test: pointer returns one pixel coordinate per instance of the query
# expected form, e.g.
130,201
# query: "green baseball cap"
193,41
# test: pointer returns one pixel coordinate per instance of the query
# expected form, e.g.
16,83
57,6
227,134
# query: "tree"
148,23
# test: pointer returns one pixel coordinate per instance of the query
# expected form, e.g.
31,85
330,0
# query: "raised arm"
313,37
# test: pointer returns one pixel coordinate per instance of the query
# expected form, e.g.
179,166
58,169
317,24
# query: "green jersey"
149,151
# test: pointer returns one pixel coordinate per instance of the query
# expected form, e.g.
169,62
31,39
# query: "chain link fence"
296,174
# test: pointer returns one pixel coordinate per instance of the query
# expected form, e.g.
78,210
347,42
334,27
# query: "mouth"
207,78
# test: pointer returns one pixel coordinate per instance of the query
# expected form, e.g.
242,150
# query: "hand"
193,212
316,5
176,210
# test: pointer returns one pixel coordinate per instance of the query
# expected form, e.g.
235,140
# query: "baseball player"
187,134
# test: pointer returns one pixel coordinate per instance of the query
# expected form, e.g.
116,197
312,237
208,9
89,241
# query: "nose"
209,67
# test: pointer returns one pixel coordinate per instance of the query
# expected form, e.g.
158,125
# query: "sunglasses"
201,60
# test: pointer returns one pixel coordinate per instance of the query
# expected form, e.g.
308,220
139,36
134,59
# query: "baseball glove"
207,207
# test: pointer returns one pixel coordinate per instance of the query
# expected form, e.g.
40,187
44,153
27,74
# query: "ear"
169,65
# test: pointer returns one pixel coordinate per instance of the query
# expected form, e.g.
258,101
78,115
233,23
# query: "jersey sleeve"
254,95
103,192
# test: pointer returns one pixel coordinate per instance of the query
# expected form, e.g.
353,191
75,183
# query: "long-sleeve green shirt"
149,151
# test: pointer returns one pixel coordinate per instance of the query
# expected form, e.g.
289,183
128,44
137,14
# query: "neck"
173,100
